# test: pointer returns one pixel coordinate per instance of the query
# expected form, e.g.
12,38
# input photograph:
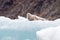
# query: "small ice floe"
52,33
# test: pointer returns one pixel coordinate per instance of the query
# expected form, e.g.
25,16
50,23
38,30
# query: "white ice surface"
52,33
25,25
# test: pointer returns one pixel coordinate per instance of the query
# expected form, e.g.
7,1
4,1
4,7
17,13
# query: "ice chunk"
52,33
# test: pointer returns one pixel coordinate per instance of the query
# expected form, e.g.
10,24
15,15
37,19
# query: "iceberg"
22,28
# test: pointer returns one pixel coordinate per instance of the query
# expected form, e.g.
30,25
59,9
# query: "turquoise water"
17,35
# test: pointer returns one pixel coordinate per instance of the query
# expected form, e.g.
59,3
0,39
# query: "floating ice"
24,24
22,28
52,33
